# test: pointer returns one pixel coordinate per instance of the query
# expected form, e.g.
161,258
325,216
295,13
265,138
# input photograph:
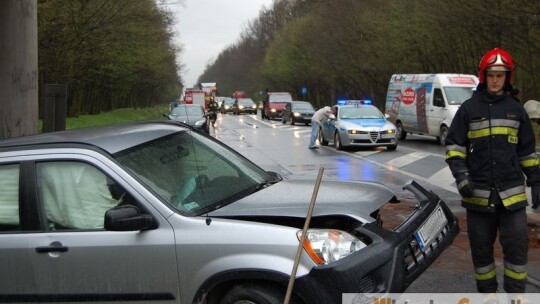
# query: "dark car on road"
298,112
155,211
191,114
226,106
244,106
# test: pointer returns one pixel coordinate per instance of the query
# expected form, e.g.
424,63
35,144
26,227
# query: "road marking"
407,159
442,178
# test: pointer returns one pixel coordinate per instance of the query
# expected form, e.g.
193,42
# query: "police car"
358,123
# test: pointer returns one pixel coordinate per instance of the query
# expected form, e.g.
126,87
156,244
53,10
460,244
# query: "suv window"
9,197
75,195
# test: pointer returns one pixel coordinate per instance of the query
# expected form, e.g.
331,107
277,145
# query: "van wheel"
321,138
401,134
444,134
337,142
255,294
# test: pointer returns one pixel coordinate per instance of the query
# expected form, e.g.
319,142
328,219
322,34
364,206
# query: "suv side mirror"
128,218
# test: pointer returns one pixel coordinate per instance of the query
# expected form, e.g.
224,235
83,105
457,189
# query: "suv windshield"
193,173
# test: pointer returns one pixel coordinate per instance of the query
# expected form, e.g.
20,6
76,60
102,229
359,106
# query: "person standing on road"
212,111
316,120
490,149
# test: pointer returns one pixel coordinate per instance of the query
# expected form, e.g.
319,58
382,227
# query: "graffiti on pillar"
24,81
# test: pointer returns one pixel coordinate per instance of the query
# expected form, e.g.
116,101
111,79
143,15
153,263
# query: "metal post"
55,107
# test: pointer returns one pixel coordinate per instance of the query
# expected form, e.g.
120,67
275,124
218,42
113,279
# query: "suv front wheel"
255,293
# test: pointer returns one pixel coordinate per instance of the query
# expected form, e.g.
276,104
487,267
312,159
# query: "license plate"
431,228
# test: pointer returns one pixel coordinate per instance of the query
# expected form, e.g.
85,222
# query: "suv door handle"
47,249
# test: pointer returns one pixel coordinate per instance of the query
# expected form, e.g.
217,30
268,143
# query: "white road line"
407,159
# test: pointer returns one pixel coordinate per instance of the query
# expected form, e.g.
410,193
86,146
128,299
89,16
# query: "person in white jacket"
316,120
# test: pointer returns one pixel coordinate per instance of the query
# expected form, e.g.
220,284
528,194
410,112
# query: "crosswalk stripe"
407,159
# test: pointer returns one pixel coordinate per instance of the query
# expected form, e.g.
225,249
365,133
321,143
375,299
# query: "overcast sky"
206,27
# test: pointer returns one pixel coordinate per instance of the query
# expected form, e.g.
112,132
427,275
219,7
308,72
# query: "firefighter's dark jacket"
492,140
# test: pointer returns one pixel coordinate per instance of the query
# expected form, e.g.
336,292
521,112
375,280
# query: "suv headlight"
328,245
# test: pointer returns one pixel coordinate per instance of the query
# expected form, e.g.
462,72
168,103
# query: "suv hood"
291,198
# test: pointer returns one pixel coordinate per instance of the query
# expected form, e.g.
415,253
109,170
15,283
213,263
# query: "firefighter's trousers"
512,228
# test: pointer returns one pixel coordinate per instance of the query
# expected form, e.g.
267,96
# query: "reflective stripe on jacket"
491,138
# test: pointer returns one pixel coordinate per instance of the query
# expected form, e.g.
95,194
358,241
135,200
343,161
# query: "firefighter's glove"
466,187
535,192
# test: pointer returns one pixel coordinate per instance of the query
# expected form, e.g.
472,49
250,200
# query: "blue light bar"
355,102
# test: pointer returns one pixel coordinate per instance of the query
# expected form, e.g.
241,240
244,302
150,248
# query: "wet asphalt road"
283,148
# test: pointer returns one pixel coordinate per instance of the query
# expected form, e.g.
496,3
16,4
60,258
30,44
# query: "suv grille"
414,254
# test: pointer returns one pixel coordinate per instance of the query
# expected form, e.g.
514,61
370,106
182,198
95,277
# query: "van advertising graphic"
410,106
408,96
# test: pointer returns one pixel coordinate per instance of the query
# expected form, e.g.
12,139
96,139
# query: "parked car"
298,112
154,211
273,104
226,106
357,123
244,105
191,114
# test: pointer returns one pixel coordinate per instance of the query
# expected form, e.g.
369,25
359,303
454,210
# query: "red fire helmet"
496,60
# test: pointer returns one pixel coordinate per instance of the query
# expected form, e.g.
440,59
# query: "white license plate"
431,227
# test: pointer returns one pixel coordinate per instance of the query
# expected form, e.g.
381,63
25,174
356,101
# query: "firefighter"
212,109
490,149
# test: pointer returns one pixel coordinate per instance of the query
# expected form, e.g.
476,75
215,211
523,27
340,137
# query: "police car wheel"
322,141
337,142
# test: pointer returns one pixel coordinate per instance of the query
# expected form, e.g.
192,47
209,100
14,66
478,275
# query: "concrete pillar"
18,68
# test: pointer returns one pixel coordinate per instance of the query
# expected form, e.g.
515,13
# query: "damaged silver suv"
161,213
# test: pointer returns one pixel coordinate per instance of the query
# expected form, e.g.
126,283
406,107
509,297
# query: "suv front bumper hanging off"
393,260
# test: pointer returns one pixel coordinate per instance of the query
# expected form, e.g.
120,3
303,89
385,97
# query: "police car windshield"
457,95
364,112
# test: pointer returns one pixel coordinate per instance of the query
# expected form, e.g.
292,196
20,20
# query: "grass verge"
114,117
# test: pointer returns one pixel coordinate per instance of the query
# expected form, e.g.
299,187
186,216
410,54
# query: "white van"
426,103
